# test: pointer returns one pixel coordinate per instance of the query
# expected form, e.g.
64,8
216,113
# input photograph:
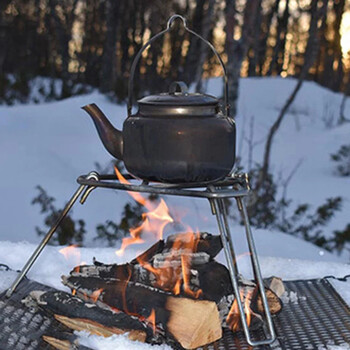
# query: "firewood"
64,341
192,323
276,285
164,271
204,242
79,315
274,302
58,343
148,254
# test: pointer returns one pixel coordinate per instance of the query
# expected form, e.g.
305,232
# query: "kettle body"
179,149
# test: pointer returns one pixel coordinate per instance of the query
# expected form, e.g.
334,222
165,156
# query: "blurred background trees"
93,43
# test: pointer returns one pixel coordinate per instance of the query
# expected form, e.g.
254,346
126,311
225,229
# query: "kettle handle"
155,37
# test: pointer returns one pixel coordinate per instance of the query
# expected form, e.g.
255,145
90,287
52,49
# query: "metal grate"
316,316
22,327
319,317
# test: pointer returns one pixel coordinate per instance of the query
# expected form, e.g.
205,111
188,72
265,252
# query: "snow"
331,346
115,342
51,144
52,264
343,288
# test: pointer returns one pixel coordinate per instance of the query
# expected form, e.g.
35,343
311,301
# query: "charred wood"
192,323
76,314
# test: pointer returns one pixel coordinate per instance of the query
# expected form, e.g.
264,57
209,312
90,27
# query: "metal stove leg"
219,210
256,267
43,243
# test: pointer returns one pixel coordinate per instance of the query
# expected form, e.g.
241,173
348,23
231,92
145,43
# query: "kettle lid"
178,102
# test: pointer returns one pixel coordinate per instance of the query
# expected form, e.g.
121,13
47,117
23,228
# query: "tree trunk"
203,47
267,24
108,69
192,54
338,6
237,49
253,55
278,52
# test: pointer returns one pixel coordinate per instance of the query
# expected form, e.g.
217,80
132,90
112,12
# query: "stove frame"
236,186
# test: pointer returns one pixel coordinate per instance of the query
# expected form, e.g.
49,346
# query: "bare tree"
317,15
203,48
342,118
278,52
237,49
108,68
3,30
63,15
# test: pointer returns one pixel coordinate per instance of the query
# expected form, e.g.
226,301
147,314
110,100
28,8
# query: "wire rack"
316,317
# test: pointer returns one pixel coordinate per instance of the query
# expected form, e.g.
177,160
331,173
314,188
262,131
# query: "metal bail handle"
149,42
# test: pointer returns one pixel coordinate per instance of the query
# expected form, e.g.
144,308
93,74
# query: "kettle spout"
111,138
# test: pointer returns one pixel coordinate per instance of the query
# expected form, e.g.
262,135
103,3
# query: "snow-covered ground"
51,144
52,264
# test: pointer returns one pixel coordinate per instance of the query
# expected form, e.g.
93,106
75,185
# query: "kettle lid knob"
175,85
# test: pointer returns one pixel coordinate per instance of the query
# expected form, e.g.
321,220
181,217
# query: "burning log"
79,315
192,323
202,242
252,305
165,277
182,265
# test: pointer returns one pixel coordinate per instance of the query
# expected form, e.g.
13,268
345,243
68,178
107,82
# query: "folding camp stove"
235,186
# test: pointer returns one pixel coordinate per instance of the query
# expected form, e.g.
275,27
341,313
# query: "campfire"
175,292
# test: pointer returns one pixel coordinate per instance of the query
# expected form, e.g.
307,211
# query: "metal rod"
222,193
227,229
258,277
43,243
232,266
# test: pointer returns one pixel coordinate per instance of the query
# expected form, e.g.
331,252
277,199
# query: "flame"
175,273
152,320
95,294
153,221
71,254
233,317
125,303
74,291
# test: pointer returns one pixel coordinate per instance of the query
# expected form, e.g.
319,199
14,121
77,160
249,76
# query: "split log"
192,323
252,305
276,285
79,315
60,344
64,341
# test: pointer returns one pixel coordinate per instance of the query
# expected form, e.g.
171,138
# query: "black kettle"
175,137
